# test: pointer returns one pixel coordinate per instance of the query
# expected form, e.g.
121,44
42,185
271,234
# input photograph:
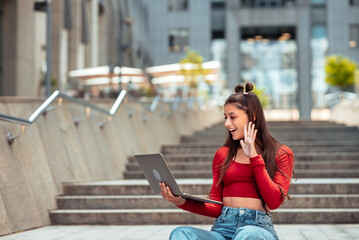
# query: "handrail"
51,98
335,97
339,94
44,107
154,103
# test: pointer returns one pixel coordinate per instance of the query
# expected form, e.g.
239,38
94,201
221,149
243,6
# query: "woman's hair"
265,144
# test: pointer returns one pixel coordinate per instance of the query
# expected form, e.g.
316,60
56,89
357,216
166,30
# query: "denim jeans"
233,223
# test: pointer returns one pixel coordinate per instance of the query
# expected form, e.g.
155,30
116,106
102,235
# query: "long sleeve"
271,190
210,209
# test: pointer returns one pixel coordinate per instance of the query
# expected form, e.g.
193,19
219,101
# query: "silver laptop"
156,170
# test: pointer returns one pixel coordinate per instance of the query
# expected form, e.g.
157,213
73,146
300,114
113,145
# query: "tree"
339,71
191,68
263,98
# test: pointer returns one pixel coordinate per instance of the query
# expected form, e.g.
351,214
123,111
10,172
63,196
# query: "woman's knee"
182,233
253,233
193,233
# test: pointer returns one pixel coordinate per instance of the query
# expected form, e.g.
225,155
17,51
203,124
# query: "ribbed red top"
239,181
246,180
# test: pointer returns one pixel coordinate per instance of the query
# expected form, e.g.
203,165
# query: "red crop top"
252,181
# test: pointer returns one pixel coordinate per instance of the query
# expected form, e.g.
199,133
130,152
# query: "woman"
251,176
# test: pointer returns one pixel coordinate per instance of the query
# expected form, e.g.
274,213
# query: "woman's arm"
206,209
274,191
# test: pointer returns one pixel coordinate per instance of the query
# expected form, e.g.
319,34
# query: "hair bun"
249,87
239,88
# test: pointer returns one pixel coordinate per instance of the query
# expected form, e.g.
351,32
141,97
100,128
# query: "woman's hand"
167,194
249,139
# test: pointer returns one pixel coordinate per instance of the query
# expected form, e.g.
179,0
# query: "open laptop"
156,170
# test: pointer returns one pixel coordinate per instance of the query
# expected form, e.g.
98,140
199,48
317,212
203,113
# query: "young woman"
251,176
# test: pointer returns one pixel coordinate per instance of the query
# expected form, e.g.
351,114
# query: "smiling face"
235,120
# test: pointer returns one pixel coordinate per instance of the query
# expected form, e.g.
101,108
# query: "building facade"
85,33
280,45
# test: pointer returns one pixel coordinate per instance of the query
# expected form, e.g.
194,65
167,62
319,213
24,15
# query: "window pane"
177,5
271,65
319,46
318,2
267,3
178,40
354,36
354,2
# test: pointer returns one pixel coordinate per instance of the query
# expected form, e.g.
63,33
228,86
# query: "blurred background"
301,55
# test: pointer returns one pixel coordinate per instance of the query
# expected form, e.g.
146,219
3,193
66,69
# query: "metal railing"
332,99
45,107
170,105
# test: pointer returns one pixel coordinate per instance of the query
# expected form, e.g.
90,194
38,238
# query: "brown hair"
265,144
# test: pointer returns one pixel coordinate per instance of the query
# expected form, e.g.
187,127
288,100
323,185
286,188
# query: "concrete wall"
346,112
53,150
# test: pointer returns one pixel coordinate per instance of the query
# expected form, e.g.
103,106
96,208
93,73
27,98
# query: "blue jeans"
233,223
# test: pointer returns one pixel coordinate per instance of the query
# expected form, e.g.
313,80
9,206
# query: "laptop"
156,170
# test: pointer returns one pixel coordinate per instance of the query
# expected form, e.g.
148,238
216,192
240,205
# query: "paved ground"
161,232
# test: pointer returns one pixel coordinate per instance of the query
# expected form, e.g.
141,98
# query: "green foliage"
190,75
263,98
339,71
53,82
146,92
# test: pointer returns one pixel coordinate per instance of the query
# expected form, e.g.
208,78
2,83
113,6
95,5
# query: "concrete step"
178,216
157,202
327,143
203,186
283,135
207,165
322,201
292,124
300,173
302,156
307,123
280,128
179,149
339,156
281,138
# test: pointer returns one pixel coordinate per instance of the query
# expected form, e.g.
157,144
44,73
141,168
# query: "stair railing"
173,106
45,107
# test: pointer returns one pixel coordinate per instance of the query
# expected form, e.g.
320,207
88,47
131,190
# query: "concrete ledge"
54,150
346,112
202,186
177,216
157,202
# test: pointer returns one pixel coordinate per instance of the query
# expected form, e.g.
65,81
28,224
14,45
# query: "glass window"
354,36
247,3
177,5
219,34
178,40
267,3
218,5
354,2
317,2
319,47
271,65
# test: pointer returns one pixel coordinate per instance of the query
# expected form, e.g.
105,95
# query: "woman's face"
235,120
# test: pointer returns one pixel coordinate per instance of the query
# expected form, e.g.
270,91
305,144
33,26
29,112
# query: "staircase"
326,189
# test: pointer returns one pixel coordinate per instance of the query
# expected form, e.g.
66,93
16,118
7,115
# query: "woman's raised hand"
167,194
249,139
